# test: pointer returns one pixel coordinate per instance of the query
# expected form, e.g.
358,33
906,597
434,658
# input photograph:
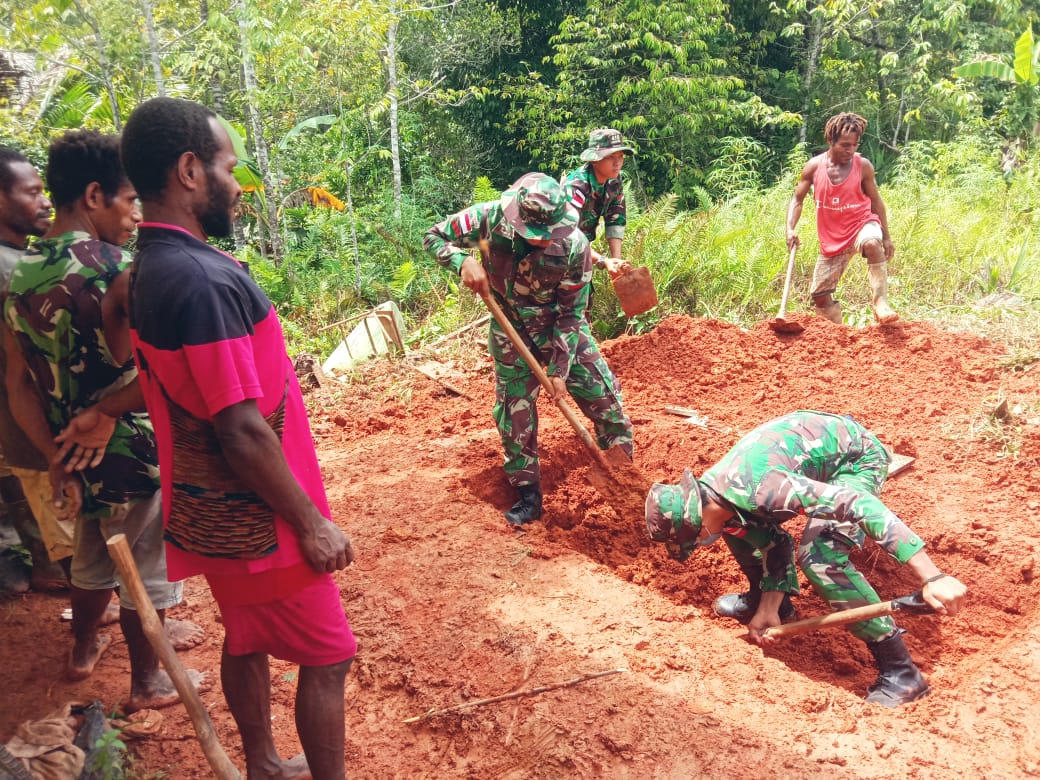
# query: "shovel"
914,604
611,473
781,325
635,291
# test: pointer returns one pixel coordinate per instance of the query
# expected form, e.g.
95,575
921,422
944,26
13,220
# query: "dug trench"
451,605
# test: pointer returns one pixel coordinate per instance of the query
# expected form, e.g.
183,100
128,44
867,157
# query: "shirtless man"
850,218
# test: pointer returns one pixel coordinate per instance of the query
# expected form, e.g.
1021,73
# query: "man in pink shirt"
242,493
850,218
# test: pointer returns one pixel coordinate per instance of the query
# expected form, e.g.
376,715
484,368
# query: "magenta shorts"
308,628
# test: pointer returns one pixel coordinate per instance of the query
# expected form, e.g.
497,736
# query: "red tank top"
841,209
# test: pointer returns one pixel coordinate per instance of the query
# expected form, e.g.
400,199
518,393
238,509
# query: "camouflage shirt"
15,447
594,200
53,306
792,465
527,277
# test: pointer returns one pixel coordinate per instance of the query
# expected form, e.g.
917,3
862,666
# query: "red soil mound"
450,605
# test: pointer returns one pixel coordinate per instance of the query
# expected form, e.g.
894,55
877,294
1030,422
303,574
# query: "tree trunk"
216,92
153,47
815,46
391,69
353,229
899,118
259,142
216,88
106,68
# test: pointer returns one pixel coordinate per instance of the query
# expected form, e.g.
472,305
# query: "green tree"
657,73
1018,112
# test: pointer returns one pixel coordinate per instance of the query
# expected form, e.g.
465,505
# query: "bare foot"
884,314
110,615
81,664
161,691
294,769
183,634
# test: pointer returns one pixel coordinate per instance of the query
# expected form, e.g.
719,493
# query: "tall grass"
962,232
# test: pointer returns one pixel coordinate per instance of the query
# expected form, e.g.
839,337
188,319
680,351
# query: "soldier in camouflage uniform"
538,266
58,364
25,495
830,469
596,191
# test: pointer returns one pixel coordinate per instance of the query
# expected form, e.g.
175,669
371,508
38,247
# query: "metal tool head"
914,603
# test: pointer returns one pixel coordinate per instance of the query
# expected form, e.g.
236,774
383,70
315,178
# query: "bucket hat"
673,515
603,142
537,207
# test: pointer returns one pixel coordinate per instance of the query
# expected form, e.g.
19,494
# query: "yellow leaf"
322,197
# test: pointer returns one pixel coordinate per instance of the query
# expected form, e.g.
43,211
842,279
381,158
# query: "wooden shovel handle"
787,283
153,630
537,370
841,618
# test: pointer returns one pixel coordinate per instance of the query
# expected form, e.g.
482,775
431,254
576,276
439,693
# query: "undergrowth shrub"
962,229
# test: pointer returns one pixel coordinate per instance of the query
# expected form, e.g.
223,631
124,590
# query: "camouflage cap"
603,142
673,515
537,206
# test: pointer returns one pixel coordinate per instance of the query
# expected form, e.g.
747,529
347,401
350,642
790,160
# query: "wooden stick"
442,382
515,694
222,767
682,411
449,336
841,618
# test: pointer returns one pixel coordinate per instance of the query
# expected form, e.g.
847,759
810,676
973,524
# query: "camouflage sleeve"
794,493
777,553
579,193
614,214
576,189
572,298
446,240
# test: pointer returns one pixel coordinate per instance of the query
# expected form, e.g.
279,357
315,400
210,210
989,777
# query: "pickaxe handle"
218,760
533,364
912,603
537,370
787,283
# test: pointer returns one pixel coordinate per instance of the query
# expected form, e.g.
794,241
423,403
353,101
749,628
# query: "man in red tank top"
850,218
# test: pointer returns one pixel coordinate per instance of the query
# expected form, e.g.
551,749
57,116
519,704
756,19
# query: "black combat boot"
528,508
743,606
899,681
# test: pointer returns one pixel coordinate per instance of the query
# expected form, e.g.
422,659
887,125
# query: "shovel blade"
635,291
786,326
914,603
620,482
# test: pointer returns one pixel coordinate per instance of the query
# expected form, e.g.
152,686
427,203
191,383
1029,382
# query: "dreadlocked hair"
846,122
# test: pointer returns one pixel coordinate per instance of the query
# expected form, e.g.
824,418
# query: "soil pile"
451,605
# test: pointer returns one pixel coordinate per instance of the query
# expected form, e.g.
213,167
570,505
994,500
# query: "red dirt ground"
450,605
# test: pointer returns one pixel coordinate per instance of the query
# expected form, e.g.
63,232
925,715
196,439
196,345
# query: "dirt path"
450,605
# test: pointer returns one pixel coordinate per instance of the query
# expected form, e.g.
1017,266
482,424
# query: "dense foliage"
366,121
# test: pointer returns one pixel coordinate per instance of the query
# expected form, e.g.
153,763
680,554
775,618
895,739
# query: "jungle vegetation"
364,121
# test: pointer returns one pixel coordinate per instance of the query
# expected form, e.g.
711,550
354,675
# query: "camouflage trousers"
823,553
591,384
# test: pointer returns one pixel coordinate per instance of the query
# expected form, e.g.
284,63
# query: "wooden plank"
441,381
899,463
682,411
